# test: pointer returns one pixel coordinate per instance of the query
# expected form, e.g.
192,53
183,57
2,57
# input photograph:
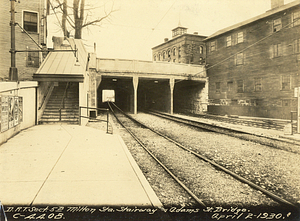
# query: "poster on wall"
16,112
20,109
0,112
11,110
4,113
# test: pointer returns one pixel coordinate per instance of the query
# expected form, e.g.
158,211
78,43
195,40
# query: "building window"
277,25
30,21
240,86
179,52
286,102
277,50
285,82
240,59
201,49
32,59
296,18
257,84
228,41
229,86
297,46
212,46
240,37
218,87
154,58
191,59
174,60
159,57
164,55
174,51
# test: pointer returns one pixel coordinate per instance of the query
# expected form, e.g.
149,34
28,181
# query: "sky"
136,26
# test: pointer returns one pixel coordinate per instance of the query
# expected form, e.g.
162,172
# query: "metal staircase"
63,104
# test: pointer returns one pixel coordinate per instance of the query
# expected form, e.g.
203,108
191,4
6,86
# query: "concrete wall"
165,69
84,95
26,90
190,97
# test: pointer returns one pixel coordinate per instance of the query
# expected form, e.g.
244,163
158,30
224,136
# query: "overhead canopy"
64,65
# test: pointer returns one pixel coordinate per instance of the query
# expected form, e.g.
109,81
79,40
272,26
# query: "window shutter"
285,49
281,79
271,51
280,50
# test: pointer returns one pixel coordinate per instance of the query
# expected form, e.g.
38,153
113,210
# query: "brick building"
31,16
253,66
182,48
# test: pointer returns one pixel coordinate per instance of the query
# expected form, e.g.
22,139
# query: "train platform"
71,165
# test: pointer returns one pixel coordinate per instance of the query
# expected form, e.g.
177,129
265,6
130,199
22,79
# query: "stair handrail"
62,103
47,95
89,117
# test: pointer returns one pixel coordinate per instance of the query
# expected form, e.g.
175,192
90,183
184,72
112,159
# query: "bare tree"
77,16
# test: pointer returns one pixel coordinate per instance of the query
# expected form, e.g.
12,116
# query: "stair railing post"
79,116
59,114
107,121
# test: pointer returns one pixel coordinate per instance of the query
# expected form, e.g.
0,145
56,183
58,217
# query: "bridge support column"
98,81
172,83
92,90
135,80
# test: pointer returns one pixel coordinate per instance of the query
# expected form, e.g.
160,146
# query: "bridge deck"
149,69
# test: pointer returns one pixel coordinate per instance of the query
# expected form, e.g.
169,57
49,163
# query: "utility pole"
13,71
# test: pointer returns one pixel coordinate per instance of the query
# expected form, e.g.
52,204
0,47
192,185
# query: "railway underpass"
142,85
137,85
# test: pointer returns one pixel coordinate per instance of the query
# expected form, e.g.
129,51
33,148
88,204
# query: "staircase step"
66,100
65,114
66,103
70,112
57,117
58,122
67,106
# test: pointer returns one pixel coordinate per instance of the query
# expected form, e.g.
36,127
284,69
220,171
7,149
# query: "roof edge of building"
185,34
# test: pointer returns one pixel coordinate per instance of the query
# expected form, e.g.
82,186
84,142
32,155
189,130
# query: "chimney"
195,33
166,39
276,4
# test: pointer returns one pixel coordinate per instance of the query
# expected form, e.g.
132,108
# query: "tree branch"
94,22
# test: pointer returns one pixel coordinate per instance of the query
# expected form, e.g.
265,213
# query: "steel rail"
238,177
152,155
199,124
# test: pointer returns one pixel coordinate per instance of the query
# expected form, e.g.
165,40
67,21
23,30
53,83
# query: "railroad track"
280,143
203,158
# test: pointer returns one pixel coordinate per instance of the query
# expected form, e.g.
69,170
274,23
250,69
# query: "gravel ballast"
273,169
